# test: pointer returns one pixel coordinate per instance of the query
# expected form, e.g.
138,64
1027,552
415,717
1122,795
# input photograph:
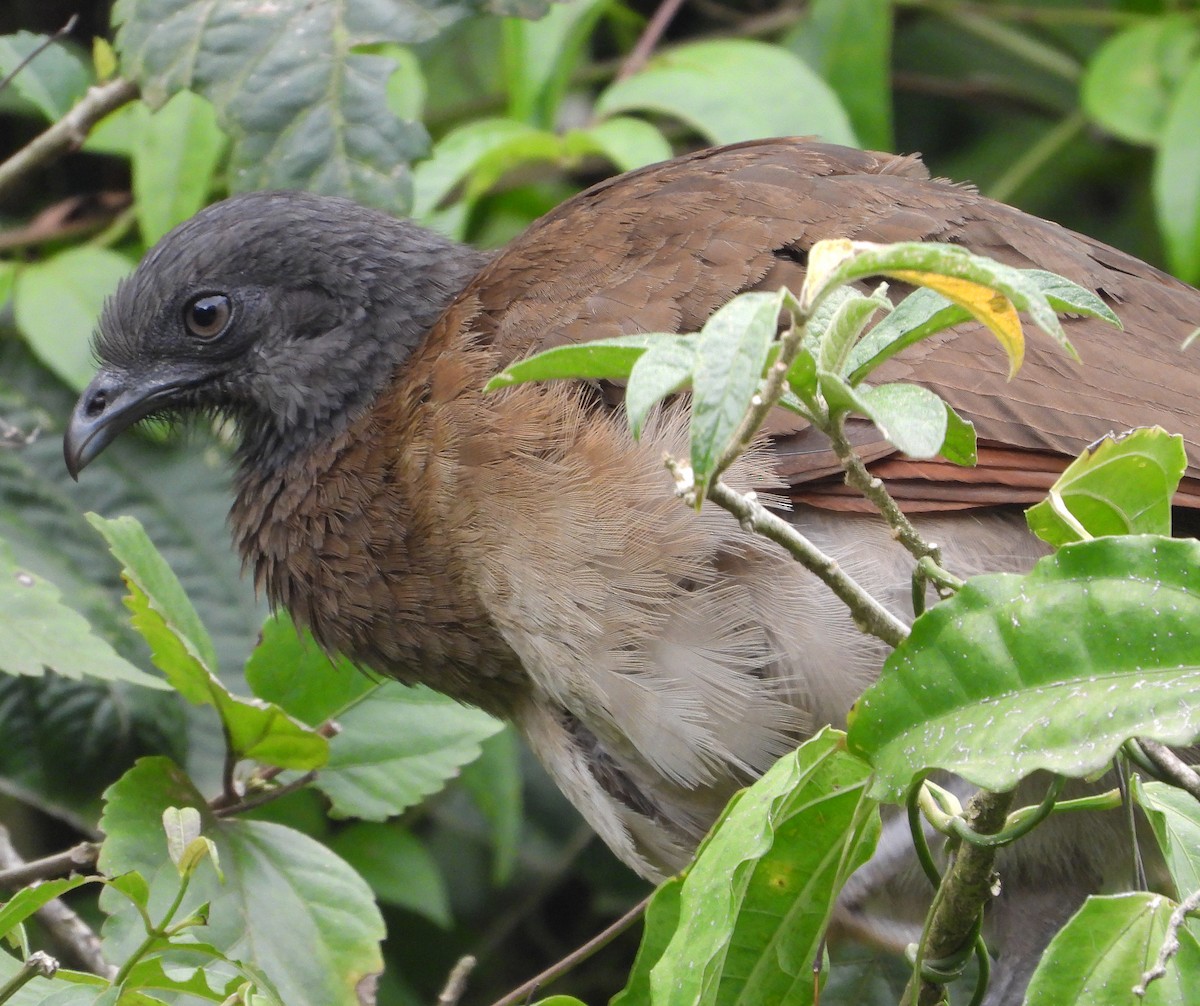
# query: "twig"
1171,765
965,890
649,38
45,44
77,859
37,964
68,132
64,925
456,983
577,956
1170,944
869,615
271,795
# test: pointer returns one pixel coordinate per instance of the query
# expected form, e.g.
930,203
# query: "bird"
521,551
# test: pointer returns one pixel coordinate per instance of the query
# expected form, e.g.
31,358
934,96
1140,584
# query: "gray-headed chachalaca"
520,551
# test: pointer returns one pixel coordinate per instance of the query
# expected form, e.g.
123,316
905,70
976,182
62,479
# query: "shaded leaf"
53,81
1175,817
400,870
629,143
1120,485
665,368
1052,670
1177,179
494,782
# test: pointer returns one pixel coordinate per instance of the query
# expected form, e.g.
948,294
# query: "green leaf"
1120,485
494,782
1103,951
182,650
1175,817
659,925
1070,298
1177,179
455,157
730,352
181,825
629,143
1053,670
664,369
291,670
57,302
754,905
400,870
959,446
600,359
53,81
41,991
921,314
304,109
912,418
28,900
287,906
175,155
849,43
852,314
1131,79
733,89
38,632
397,746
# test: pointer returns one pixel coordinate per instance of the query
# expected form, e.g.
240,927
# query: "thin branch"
78,859
1171,766
869,615
649,39
68,133
270,796
456,983
64,925
37,965
575,957
1170,944
45,44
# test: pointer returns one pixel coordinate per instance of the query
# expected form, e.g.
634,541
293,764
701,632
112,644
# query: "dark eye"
208,315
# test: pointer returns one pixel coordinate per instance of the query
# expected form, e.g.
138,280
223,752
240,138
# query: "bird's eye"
208,315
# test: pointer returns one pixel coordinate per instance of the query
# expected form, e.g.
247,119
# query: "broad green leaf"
959,446
57,302
400,870
601,359
455,157
287,906
1052,670
291,670
665,368
1103,951
912,418
1175,817
53,81
397,746
175,156
629,143
182,650
849,43
754,905
1177,179
659,925
1130,81
733,89
1119,485
494,782
38,632
730,352
21,905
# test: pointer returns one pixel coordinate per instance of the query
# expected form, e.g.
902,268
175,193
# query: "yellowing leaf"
988,306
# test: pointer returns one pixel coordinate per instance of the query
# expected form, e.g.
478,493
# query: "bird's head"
283,310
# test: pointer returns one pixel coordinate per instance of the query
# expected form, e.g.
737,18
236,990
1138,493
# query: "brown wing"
661,248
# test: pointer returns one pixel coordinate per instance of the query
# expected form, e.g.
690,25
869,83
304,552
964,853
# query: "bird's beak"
113,402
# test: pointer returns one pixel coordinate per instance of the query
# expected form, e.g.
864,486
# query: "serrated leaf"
912,418
1122,484
1175,817
57,302
1053,670
733,89
39,633
53,81
1130,80
1177,179
397,746
754,904
664,369
288,906
600,359
182,650
1103,951
730,352
400,870
304,108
